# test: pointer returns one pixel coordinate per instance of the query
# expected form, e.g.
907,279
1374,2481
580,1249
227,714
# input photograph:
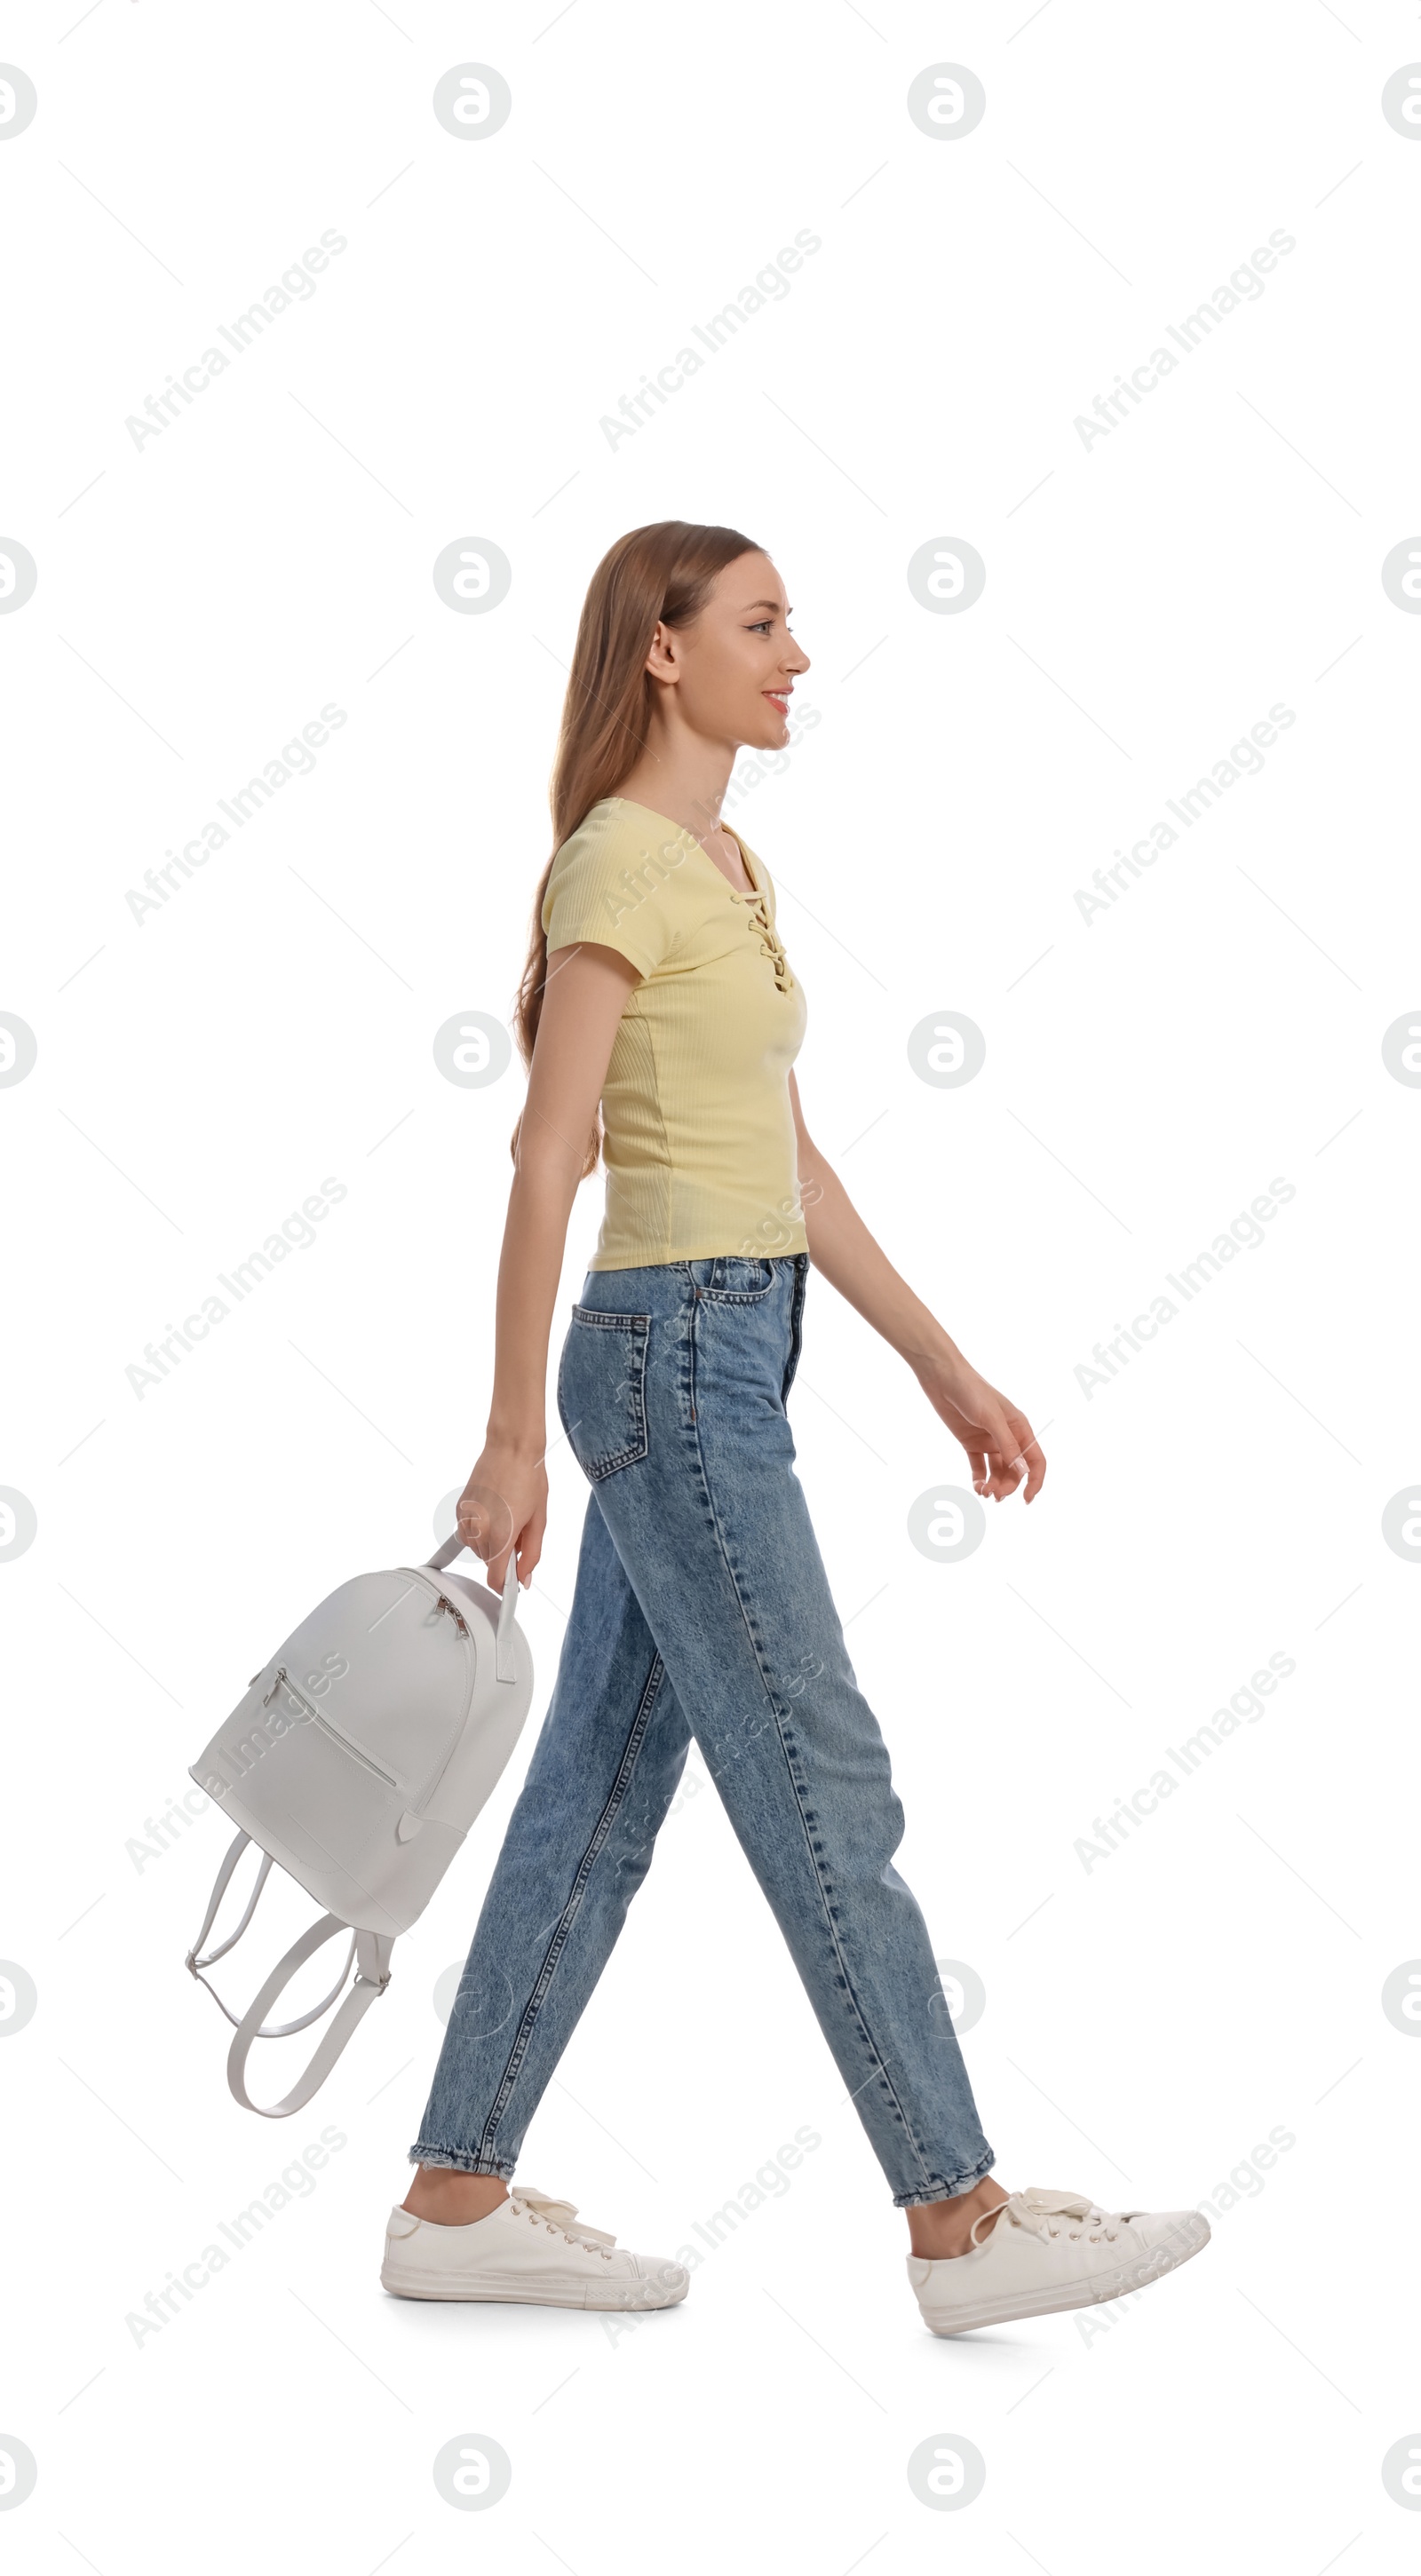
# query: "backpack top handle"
503,1651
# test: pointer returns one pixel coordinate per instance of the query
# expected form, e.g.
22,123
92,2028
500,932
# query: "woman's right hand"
505,1505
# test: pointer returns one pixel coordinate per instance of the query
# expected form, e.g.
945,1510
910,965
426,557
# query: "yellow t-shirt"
700,1143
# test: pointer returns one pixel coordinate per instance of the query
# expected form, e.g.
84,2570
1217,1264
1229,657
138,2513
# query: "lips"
778,698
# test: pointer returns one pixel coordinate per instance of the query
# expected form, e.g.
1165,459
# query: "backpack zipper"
324,1723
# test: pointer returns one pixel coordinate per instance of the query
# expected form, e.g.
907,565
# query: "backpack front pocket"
602,1390
335,1733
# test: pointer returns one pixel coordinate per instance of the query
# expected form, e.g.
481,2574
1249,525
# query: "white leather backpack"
358,1758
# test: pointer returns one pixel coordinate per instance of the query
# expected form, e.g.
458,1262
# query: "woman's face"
733,669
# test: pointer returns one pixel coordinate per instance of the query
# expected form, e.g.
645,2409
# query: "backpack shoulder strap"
196,1961
372,1952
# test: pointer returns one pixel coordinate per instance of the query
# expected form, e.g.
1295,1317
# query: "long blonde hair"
665,572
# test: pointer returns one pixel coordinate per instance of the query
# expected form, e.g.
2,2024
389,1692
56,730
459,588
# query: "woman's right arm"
505,1501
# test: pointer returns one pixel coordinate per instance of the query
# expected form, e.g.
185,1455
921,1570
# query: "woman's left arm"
995,1433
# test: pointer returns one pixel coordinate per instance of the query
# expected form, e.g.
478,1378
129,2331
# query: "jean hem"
945,2190
458,2160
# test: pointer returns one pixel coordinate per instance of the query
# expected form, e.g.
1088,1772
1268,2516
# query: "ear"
661,661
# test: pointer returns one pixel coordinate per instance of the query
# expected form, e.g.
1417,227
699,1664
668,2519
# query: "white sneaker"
1050,2250
529,2249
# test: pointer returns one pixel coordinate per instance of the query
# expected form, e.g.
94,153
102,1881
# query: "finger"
992,1484
1030,1454
1011,1451
484,1521
1036,1469
526,1544
999,1443
499,1550
530,1547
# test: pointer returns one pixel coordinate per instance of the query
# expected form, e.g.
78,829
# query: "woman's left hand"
1000,1443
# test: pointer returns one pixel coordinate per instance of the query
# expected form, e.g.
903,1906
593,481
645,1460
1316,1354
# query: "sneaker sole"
1082,2294
407,2287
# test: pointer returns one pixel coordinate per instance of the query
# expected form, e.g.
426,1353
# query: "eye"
761,626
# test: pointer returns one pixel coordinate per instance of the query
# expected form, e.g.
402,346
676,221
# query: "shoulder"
618,880
616,837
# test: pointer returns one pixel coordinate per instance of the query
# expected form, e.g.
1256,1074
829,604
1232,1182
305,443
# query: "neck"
683,776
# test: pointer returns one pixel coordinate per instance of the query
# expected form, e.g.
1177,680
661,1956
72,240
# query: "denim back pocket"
602,1390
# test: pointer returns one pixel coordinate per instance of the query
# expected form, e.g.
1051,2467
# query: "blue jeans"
702,1609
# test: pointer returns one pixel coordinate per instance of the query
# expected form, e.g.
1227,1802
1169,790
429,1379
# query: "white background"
1147,1074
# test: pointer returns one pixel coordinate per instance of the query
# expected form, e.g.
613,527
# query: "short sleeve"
609,888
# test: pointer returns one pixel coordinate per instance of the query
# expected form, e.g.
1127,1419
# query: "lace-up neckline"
753,898
757,914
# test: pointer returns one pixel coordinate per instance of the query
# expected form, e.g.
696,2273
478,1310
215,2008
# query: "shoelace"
542,2210
1034,2209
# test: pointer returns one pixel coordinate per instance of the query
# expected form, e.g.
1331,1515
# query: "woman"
658,985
